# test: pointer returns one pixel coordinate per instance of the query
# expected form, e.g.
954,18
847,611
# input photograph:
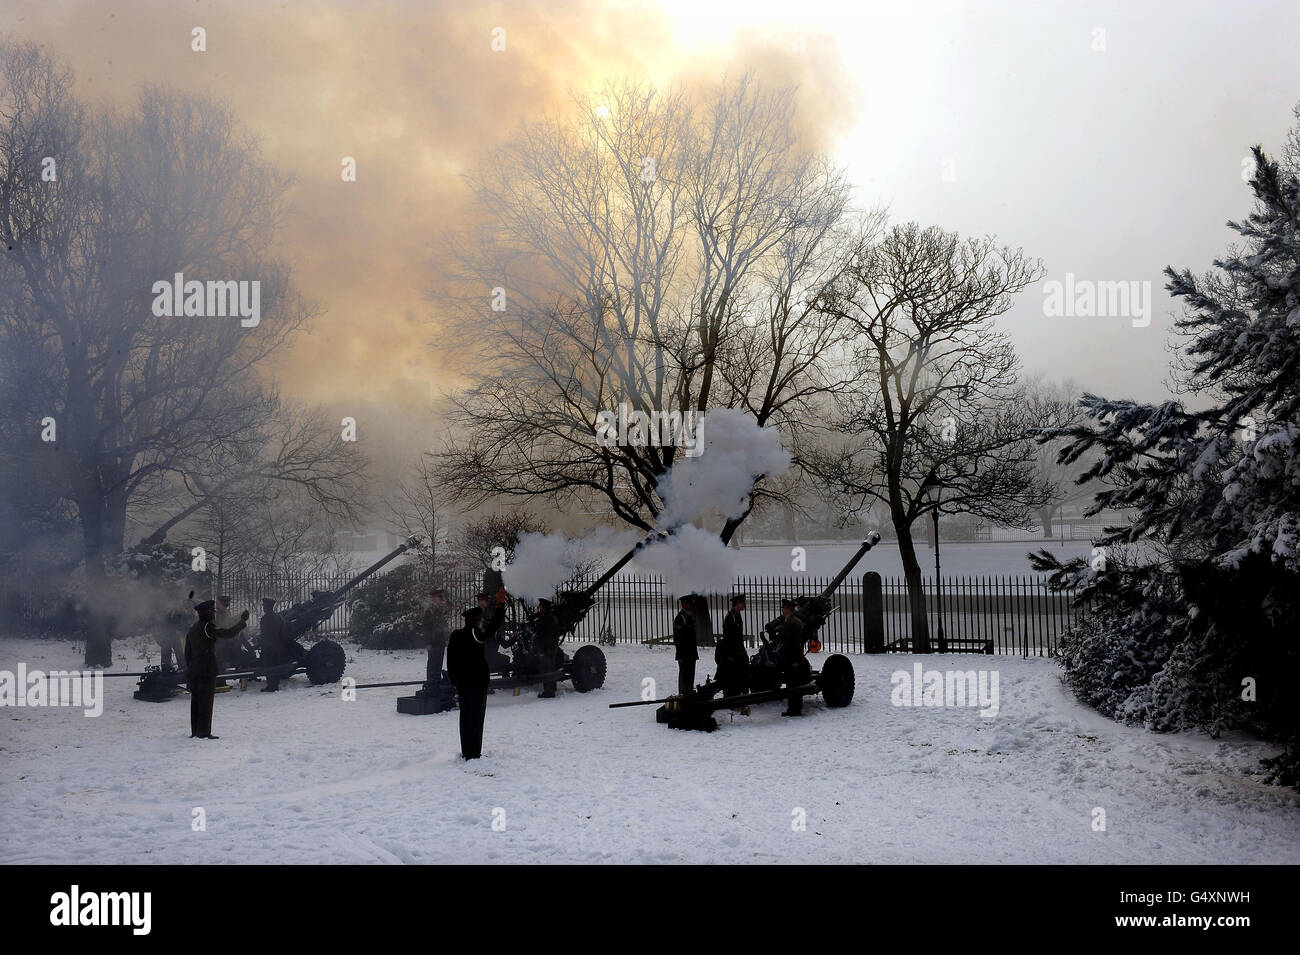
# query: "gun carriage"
324,662
768,677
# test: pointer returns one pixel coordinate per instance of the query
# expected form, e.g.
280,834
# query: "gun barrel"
615,706
871,541
608,575
405,546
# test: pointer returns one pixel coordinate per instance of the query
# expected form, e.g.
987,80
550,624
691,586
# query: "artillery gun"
767,672
323,663
529,665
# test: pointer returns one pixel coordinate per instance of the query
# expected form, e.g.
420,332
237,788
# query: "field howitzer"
323,663
530,662
768,669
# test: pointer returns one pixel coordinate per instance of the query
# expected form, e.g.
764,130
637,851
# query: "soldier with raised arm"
201,665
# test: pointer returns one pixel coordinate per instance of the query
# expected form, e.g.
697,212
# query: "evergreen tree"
1200,627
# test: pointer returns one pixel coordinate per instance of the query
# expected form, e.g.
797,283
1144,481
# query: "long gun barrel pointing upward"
308,614
607,576
871,541
401,549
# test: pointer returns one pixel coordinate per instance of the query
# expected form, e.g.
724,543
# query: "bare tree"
1058,404
140,401
653,252
936,402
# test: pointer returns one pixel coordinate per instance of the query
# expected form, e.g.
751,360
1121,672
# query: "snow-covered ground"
303,776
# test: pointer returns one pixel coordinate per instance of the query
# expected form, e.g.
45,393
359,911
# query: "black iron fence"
1016,615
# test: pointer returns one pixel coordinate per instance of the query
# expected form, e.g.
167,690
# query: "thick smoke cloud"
414,92
736,453
691,560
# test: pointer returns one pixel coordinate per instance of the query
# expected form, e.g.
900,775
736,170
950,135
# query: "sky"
1106,139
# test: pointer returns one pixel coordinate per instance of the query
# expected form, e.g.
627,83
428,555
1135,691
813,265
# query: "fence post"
873,613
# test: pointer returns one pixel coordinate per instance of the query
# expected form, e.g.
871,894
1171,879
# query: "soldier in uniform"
201,665
548,642
433,624
730,655
684,640
272,641
468,669
792,654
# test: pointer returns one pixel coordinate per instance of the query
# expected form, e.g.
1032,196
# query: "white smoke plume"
736,453
543,562
691,560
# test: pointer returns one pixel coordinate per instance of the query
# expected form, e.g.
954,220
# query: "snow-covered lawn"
303,776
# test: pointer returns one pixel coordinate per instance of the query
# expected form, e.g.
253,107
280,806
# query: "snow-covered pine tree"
1202,628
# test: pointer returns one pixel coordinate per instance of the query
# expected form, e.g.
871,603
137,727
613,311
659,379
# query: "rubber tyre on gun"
588,672
836,681
325,662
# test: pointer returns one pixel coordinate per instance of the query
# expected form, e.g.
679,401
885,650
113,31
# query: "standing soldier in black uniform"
547,635
792,655
730,656
684,639
433,624
201,666
468,669
272,641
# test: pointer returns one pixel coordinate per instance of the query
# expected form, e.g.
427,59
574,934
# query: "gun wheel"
325,662
588,671
837,681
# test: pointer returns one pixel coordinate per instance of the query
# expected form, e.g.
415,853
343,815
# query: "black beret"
473,615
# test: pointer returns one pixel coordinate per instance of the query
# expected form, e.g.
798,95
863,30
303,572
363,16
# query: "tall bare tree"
936,403
95,208
654,250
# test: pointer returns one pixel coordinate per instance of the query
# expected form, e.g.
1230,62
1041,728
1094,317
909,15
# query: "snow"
303,776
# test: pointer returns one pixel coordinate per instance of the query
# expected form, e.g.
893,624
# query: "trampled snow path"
302,776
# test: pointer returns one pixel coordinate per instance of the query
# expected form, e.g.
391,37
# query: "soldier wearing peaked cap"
548,642
730,655
201,665
684,641
433,624
273,642
468,669
792,655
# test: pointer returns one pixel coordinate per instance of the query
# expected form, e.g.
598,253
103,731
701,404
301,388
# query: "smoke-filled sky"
1001,118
